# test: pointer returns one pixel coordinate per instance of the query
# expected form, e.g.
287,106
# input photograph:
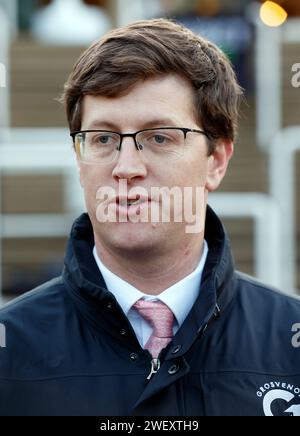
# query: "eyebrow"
157,122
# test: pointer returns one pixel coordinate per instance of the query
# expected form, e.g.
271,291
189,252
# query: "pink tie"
161,319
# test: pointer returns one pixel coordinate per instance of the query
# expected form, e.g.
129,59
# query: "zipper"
155,367
155,363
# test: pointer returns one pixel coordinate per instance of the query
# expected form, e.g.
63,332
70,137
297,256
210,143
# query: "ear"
218,163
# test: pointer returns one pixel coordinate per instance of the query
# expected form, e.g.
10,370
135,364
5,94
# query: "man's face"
161,102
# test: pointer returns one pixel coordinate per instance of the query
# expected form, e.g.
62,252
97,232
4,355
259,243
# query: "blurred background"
39,190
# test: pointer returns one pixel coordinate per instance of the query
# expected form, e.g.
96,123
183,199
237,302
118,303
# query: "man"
149,316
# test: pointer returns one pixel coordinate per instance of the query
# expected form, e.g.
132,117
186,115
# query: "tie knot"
159,315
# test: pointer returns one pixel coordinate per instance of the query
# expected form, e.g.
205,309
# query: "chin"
132,237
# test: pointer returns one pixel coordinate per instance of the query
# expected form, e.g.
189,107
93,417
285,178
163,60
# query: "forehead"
164,98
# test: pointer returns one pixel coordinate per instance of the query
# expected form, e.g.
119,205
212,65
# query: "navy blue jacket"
70,350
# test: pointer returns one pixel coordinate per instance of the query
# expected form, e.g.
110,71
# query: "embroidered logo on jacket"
280,399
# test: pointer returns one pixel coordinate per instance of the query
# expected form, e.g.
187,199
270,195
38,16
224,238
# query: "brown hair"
149,48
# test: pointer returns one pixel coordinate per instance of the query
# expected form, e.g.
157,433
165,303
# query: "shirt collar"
179,297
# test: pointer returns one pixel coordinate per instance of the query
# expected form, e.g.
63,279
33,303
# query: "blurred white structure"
282,160
4,105
268,83
70,22
10,7
269,89
43,151
4,68
265,213
132,10
40,152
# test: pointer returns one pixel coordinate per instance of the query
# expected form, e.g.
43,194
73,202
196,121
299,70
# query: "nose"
130,164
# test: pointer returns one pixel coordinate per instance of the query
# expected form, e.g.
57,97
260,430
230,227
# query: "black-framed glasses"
102,146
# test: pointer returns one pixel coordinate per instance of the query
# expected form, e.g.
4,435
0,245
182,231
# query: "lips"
131,201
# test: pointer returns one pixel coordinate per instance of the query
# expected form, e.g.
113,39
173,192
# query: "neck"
153,274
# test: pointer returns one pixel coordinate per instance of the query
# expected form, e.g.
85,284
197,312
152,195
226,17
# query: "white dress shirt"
180,297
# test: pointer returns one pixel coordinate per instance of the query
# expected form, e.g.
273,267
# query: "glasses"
102,147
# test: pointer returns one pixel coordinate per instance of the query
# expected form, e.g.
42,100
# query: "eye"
103,139
160,139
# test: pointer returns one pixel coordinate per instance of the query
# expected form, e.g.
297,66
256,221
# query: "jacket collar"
87,288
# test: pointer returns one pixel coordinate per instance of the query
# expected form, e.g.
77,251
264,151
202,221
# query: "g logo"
278,394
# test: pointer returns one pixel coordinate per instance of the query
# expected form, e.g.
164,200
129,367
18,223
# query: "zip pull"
155,367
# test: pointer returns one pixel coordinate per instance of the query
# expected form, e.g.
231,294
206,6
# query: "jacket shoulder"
247,283
30,324
30,300
263,324
30,312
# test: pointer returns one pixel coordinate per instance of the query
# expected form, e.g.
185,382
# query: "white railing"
42,151
282,183
4,68
10,8
266,216
281,149
268,75
39,151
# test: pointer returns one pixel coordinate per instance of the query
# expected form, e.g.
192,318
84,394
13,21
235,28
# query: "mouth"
129,202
